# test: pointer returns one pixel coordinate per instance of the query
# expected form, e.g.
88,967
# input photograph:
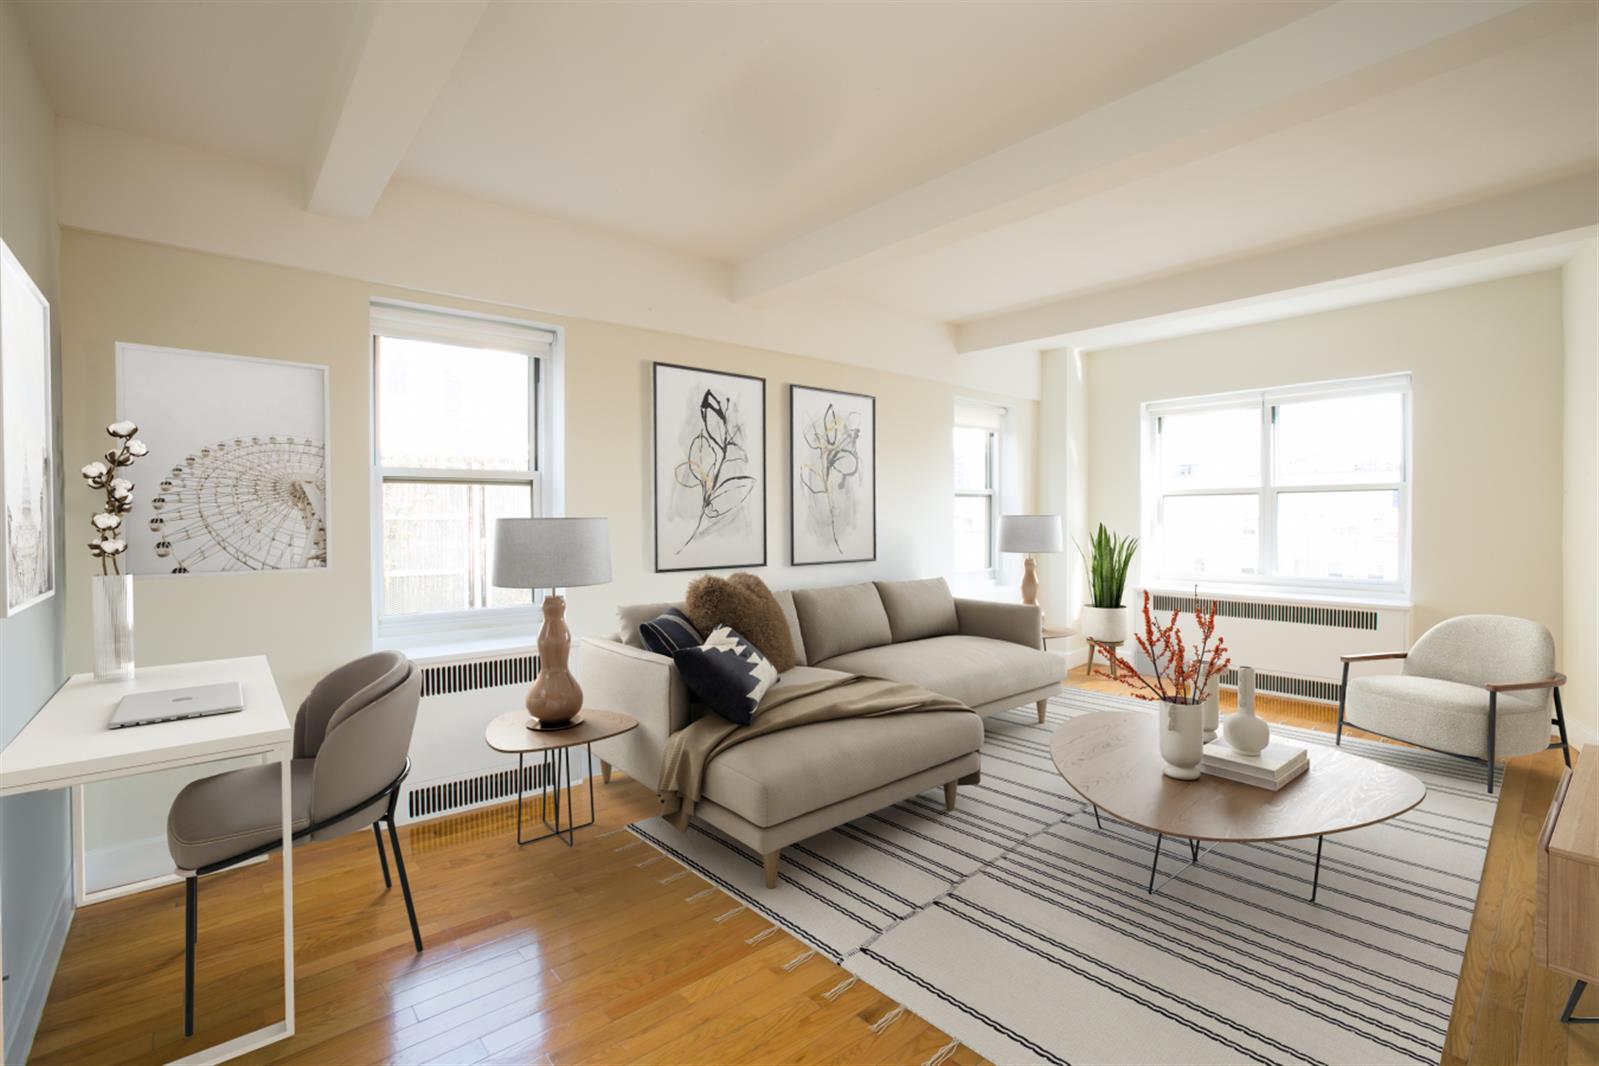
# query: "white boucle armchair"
1478,686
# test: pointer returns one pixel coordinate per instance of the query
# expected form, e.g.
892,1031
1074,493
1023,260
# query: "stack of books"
1273,768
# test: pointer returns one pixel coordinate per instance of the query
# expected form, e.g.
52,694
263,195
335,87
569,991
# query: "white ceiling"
811,137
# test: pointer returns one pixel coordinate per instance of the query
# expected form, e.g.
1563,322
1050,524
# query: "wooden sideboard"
1566,934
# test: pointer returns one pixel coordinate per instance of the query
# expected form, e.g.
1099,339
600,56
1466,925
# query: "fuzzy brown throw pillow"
744,603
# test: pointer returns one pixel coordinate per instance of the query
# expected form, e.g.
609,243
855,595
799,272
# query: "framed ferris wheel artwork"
237,473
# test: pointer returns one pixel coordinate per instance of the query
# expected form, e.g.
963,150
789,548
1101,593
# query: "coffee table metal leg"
1154,864
1315,878
1193,850
1097,823
1568,1016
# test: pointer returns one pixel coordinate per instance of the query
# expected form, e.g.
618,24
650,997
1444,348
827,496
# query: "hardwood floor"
608,952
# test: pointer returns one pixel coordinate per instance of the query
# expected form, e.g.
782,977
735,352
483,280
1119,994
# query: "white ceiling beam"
1554,210
1334,57
396,62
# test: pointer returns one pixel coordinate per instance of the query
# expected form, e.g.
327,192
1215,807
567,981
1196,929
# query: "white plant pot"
1182,739
1105,625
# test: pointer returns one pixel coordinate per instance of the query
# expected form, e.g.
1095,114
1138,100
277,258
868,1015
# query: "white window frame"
1267,401
995,441
543,345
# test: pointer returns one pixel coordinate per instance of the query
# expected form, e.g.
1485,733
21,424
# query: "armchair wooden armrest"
1521,686
1373,656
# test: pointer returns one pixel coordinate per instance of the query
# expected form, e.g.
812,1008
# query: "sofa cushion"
1447,715
783,775
741,602
630,616
727,673
919,609
785,600
841,619
974,670
669,631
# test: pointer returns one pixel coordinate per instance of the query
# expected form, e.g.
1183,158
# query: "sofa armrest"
1018,623
617,677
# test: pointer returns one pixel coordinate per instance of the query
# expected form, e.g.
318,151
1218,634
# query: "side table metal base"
1568,1016
557,765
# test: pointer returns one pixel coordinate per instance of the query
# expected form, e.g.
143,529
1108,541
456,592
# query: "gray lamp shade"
547,553
1030,533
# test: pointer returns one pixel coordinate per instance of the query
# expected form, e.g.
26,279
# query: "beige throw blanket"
689,751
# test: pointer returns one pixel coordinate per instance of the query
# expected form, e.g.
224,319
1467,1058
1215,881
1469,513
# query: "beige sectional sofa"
778,789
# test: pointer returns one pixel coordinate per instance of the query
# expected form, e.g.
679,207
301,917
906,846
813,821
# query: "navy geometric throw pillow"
727,674
669,631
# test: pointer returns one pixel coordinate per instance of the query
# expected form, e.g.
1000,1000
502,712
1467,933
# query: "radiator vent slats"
1282,685
447,678
450,795
1297,614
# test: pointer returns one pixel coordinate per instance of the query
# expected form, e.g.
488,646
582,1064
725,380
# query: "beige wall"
1581,545
121,290
1486,365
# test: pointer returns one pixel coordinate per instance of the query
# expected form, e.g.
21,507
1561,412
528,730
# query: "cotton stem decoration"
109,543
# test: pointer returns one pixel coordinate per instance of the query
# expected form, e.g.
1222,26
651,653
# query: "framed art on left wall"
709,469
27,474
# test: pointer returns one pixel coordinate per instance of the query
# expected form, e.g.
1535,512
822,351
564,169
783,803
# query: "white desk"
67,745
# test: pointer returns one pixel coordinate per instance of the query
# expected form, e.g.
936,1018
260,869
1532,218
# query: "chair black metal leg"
1315,877
1343,694
405,884
1560,720
1493,732
1568,1016
377,835
191,927
1154,864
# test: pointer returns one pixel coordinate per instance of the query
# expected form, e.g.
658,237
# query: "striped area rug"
1023,929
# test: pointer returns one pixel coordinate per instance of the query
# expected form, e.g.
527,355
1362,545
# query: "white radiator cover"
452,768
1294,645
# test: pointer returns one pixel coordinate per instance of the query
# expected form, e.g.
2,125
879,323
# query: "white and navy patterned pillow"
668,632
727,674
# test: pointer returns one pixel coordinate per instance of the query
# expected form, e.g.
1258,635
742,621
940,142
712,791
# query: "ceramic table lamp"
1030,534
552,553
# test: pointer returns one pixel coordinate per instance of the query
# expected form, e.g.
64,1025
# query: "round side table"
509,733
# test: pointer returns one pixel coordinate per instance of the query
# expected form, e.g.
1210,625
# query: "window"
976,497
457,431
1303,487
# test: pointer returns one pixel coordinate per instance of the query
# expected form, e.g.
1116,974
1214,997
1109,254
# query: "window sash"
399,321
990,492
1267,492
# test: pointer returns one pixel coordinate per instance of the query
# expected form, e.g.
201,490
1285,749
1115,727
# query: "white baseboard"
34,980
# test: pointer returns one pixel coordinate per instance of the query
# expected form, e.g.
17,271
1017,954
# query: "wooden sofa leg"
949,795
769,862
1043,709
605,771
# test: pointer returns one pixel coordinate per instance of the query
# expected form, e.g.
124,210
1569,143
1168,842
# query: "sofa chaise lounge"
781,788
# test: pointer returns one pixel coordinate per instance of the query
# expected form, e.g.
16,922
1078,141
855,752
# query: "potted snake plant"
1110,556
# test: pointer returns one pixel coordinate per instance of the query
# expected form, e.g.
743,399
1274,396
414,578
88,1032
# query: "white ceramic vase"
1245,732
112,595
1105,625
1212,715
1182,739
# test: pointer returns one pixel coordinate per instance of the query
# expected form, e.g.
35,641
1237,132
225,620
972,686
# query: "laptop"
171,705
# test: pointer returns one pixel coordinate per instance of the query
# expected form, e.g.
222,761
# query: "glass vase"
113,626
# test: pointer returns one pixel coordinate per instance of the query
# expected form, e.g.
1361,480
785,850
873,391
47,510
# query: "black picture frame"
795,499
757,496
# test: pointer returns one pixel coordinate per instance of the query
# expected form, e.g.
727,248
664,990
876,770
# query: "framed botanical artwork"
237,475
27,472
710,469
833,476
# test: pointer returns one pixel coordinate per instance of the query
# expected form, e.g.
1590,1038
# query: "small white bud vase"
1245,732
113,626
1182,738
1212,714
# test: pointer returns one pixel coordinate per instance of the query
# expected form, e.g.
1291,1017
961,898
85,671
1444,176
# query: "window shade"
393,320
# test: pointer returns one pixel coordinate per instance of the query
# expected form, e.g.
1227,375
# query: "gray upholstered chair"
351,739
1477,686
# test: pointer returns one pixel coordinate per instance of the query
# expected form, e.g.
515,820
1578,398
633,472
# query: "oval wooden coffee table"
509,733
1112,759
